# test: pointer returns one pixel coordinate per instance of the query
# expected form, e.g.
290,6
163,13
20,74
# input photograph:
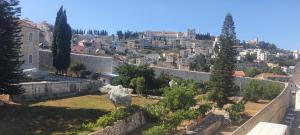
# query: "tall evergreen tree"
221,84
10,44
61,46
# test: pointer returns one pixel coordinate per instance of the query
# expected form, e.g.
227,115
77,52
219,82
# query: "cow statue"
118,95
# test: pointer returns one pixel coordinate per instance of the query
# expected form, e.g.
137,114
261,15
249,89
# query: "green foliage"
271,90
221,82
76,68
179,97
277,70
138,84
109,119
252,72
176,117
235,112
61,45
10,45
203,109
155,112
253,90
127,72
164,79
163,129
256,90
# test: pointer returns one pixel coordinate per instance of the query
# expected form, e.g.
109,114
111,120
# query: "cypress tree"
10,44
221,83
61,46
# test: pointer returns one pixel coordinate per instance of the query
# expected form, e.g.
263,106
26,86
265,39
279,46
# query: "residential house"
30,44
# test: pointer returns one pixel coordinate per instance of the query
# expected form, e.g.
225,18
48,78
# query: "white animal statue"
118,95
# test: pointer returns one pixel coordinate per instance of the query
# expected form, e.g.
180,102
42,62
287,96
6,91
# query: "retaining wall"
45,90
92,63
197,76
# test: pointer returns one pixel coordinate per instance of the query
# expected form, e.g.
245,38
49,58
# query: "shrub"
179,97
271,90
112,117
180,115
235,112
203,109
155,112
253,90
163,129
109,119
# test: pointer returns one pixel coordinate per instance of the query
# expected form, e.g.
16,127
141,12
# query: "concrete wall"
35,91
197,76
123,127
273,112
93,63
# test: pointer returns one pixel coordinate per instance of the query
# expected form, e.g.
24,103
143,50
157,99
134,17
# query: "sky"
275,21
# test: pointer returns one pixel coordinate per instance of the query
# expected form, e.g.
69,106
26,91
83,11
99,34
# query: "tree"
61,45
251,72
253,91
221,82
179,97
120,34
199,63
10,53
127,72
138,84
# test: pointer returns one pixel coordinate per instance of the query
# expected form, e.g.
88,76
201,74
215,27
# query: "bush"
256,90
180,115
253,90
235,112
109,119
203,109
163,129
155,112
179,97
114,116
271,90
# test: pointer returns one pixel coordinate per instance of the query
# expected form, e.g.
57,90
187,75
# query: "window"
30,59
30,37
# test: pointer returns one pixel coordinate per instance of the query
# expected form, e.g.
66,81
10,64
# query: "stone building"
30,44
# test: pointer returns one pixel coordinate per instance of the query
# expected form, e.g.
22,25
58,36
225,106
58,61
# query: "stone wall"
273,112
93,63
123,127
35,91
194,75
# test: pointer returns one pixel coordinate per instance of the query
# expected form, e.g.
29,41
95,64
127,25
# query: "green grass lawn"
61,116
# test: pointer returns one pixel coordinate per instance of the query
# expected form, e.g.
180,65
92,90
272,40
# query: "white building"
261,56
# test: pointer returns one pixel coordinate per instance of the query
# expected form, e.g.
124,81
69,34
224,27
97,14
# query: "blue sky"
276,21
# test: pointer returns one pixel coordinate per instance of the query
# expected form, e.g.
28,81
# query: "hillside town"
189,50
58,79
